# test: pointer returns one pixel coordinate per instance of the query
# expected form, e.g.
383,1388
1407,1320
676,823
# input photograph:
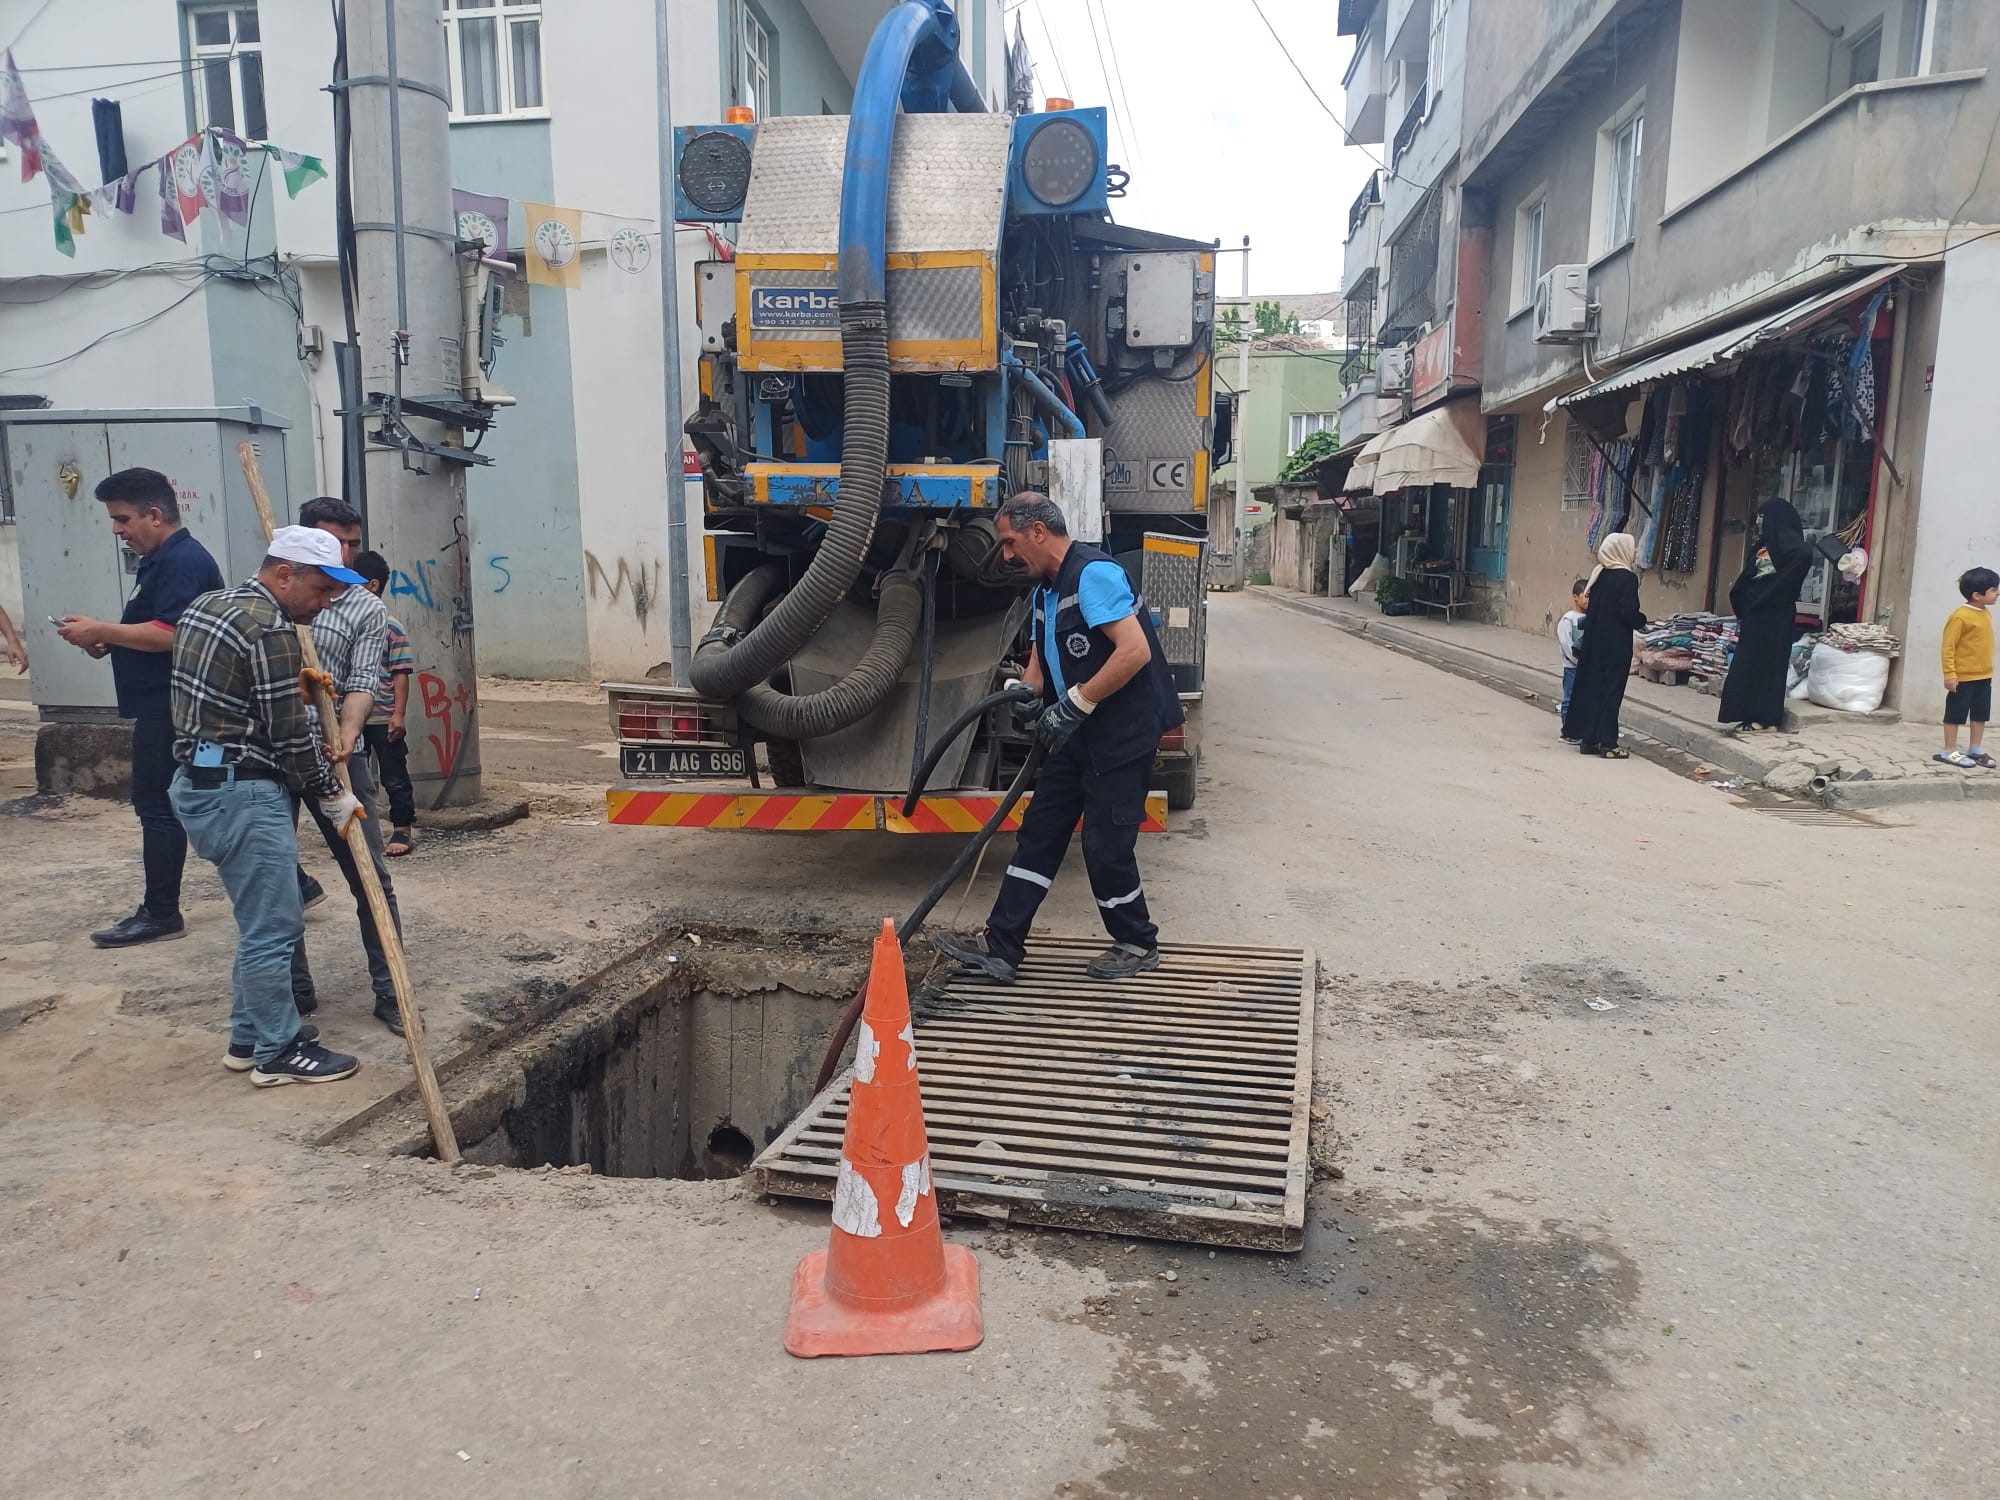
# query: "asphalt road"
1734,1234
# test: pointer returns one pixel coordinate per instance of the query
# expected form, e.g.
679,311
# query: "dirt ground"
1735,1234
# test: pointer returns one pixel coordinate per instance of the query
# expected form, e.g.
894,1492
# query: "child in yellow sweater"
1968,668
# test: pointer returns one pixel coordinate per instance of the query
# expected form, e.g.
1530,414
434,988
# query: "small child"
1968,668
385,733
1569,635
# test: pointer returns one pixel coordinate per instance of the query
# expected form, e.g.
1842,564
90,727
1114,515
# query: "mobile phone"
54,621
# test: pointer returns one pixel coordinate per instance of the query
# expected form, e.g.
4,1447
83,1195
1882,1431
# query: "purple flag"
170,199
121,196
232,178
17,118
481,218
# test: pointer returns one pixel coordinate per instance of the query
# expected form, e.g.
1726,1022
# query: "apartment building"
1732,249
1413,271
550,103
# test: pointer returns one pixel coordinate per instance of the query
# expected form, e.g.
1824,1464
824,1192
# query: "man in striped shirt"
246,744
350,635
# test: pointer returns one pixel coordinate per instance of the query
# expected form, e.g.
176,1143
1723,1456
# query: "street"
1734,1233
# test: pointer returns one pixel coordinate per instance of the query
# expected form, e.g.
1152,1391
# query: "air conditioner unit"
1392,371
1562,305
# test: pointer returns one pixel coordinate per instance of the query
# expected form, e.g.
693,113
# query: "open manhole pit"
674,1061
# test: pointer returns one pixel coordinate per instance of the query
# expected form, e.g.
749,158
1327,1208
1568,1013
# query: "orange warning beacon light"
887,1283
739,114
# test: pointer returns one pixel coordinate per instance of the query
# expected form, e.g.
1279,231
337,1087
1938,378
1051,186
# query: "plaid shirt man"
236,684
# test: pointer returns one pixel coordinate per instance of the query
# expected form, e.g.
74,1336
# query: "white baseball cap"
315,548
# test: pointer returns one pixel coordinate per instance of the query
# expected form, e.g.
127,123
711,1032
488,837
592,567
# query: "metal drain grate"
1810,813
1174,1105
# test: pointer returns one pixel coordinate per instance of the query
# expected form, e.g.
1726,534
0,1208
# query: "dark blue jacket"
1129,723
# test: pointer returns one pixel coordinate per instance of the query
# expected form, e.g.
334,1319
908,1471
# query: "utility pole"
680,622
406,252
1243,400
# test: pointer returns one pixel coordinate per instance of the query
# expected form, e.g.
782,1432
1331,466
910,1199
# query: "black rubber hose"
812,716
1018,692
726,668
927,664
913,924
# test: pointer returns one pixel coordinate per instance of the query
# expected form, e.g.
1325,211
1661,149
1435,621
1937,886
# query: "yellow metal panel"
808,811
1172,547
709,568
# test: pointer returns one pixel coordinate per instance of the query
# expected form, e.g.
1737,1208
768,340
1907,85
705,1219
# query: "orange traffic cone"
887,1283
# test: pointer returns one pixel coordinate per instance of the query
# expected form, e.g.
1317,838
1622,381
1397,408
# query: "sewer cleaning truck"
928,308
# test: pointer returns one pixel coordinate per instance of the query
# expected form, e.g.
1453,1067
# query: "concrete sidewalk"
1869,761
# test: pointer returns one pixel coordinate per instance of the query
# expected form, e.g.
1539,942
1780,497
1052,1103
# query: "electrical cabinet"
71,564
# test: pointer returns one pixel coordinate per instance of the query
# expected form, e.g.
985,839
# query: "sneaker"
304,1062
140,927
311,892
388,1013
1122,961
242,1057
971,951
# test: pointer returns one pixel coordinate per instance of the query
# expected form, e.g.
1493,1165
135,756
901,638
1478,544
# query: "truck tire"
1180,786
788,763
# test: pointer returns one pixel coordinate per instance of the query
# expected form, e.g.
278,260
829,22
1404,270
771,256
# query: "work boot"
971,951
1123,961
311,892
141,927
388,1013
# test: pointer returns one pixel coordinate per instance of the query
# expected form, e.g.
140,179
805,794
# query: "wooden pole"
364,861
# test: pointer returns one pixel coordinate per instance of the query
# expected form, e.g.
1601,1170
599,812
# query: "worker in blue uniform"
1107,696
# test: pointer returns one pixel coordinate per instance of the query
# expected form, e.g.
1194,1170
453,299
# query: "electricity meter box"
71,564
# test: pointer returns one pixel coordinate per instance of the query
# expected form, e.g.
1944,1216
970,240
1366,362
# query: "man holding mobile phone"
173,569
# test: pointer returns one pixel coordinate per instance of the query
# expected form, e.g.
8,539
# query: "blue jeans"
1569,686
244,829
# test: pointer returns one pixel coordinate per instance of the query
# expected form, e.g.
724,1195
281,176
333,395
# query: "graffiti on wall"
633,579
451,711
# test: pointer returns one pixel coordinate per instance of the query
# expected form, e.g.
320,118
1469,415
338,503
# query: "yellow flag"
555,245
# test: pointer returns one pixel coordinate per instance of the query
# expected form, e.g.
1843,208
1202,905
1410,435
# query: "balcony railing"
1357,367
1370,196
1406,133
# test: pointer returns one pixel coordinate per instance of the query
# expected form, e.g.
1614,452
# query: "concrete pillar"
416,503
1958,519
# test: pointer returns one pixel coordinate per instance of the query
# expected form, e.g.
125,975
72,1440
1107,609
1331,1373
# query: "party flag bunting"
554,245
301,171
170,211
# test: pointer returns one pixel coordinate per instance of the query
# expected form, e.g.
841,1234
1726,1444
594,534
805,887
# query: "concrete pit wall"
676,1061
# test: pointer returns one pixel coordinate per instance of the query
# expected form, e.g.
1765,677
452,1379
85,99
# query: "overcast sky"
1222,137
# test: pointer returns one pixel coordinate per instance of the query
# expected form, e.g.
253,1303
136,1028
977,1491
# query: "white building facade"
553,102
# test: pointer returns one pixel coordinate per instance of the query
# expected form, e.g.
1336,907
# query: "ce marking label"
1167,474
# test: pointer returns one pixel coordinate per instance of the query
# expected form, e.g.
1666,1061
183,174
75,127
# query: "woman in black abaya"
1765,596
1604,661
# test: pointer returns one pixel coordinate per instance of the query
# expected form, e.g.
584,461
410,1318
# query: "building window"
1620,149
1528,226
1864,57
1306,423
1495,499
227,49
754,57
494,56
1576,467
1440,12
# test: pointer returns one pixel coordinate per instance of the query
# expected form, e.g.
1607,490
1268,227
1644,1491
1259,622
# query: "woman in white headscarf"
1604,660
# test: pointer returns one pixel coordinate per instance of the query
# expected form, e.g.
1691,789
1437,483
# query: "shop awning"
1361,476
1734,343
1434,447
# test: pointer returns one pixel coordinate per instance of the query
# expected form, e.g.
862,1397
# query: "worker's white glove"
341,810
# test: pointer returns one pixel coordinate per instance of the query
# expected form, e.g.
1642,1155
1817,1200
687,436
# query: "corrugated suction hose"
729,664
809,716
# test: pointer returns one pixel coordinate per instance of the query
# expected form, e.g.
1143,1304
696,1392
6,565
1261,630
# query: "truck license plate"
636,761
